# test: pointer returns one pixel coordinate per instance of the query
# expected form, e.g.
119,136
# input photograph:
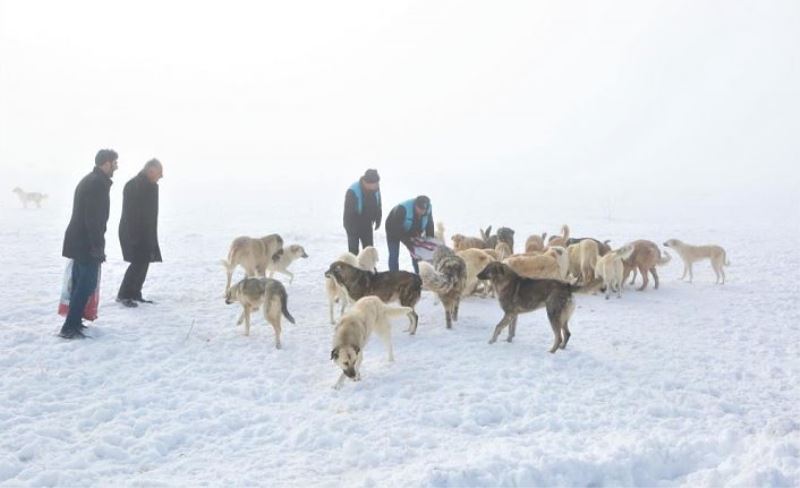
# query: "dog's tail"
393,312
664,260
565,232
725,257
590,287
284,306
227,264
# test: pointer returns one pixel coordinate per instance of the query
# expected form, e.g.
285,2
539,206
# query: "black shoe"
127,302
142,300
71,334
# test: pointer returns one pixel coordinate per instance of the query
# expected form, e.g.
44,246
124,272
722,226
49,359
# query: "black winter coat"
138,226
84,240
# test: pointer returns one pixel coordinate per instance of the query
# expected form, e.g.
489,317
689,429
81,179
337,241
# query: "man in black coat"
84,240
362,209
412,218
138,231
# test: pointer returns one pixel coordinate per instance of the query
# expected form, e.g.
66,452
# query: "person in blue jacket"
412,218
362,210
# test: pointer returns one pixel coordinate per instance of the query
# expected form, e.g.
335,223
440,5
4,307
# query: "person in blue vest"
362,210
412,218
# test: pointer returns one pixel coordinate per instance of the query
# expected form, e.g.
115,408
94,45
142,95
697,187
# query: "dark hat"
422,202
371,176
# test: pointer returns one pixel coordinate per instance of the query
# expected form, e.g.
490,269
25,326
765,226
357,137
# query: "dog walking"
84,239
138,231
410,219
362,210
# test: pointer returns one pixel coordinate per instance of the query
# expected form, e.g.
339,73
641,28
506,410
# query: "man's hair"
105,156
153,163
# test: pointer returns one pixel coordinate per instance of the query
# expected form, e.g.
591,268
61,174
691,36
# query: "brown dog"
645,257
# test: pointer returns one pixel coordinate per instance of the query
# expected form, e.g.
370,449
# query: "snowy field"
688,385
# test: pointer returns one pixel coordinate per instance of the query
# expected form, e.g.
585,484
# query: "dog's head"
625,252
457,239
338,271
296,251
346,357
494,270
672,243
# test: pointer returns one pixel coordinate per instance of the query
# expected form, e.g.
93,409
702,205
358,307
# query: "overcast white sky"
681,94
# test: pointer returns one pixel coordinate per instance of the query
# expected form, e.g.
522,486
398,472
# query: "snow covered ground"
688,385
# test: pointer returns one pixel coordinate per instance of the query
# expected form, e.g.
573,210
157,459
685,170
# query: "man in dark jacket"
362,209
138,231
412,218
84,240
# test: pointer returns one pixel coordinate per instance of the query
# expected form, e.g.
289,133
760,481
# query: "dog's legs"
272,313
691,273
414,322
655,276
387,341
291,276
340,382
448,317
241,316
507,319
247,321
358,366
721,266
455,309
512,329
330,309
685,271
645,278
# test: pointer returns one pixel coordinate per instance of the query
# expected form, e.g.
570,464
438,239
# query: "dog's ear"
335,354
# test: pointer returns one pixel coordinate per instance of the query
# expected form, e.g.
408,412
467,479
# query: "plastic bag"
90,312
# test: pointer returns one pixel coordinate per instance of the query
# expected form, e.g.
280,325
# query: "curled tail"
664,260
437,282
284,306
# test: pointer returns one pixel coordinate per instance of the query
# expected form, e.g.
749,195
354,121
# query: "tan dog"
253,293
290,254
252,254
692,254
476,260
535,243
368,259
562,258
645,257
610,269
560,240
538,267
574,261
462,243
589,252
354,329
439,232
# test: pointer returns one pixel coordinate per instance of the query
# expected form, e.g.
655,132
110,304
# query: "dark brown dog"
389,286
519,295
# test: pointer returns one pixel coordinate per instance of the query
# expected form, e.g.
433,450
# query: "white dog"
32,197
610,269
354,329
691,254
290,254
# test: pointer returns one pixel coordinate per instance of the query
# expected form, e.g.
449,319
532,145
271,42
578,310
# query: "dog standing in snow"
29,197
446,277
253,293
354,329
290,254
692,254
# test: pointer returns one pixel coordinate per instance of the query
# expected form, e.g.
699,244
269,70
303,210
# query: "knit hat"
371,176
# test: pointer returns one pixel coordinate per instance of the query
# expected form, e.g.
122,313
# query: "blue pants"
84,283
394,256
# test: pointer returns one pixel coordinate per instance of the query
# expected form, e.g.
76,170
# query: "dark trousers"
394,256
131,287
364,234
84,283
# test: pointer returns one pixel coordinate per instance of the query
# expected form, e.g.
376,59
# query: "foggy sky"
674,96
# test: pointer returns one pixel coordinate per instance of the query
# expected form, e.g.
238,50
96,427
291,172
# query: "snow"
687,385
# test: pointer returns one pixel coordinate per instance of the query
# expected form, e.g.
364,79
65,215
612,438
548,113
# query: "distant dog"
589,253
504,234
253,254
602,247
645,257
253,293
610,269
560,240
462,243
540,267
29,197
290,254
367,315
519,295
389,286
446,277
535,243
692,254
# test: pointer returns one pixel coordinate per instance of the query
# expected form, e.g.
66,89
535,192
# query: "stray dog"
290,254
462,243
476,260
539,267
446,277
602,247
252,293
504,234
691,254
589,253
562,258
535,243
33,197
645,257
367,315
254,255
519,295
389,286
560,240
367,259
610,269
